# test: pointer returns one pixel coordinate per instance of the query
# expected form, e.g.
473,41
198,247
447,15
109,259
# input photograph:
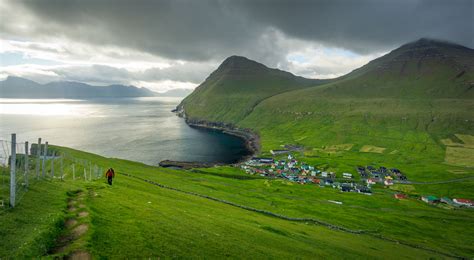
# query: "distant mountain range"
16,87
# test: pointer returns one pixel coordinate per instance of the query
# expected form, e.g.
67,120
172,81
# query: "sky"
167,44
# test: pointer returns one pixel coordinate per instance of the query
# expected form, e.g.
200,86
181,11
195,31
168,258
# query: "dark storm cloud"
365,26
204,30
188,30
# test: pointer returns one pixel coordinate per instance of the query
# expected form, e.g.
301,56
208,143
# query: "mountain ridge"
17,87
239,83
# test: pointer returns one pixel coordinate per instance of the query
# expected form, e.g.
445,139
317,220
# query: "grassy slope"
406,102
230,93
136,219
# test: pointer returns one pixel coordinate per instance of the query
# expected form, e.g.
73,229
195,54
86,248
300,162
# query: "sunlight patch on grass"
468,140
460,156
335,148
372,149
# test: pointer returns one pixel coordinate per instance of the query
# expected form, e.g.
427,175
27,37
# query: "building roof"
400,196
464,201
430,197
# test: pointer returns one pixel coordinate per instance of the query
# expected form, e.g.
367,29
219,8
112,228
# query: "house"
464,202
400,196
316,181
346,188
290,157
371,181
324,174
448,201
264,160
364,189
277,152
395,170
430,199
388,182
346,175
328,182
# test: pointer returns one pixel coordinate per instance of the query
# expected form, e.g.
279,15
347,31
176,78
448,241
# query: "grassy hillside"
423,69
409,105
232,91
136,219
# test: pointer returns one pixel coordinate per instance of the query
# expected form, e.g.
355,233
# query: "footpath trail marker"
12,172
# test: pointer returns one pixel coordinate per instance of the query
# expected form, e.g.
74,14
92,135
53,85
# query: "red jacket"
110,173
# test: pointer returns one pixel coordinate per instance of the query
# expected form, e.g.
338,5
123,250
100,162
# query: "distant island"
17,87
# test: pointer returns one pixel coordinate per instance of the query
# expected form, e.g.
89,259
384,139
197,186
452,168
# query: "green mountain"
422,69
231,92
411,108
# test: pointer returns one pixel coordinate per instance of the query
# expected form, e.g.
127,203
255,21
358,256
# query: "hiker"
110,174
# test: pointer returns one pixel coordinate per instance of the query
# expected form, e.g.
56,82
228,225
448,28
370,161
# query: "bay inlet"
138,129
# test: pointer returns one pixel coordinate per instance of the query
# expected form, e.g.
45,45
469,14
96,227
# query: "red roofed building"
371,181
464,202
400,196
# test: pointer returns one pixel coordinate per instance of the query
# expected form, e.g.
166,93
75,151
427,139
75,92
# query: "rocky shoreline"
185,165
251,141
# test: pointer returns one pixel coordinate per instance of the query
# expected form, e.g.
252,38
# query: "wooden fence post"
61,166
52,164
73,172
45,153
38,160
26,164
85,174
90,171
12,172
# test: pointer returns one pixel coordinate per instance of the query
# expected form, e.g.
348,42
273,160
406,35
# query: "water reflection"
141,129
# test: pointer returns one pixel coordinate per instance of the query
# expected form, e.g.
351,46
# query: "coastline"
251,141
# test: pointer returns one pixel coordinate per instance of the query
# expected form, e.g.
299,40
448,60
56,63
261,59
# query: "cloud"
181,41
368,25
211,29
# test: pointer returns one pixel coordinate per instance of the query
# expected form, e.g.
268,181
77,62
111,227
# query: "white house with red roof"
464,202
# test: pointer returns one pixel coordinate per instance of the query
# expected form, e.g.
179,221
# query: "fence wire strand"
56,164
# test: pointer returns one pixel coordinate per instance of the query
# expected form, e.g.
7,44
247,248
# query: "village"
295,171
289,168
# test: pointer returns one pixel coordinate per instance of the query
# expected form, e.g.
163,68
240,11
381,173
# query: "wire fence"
23,164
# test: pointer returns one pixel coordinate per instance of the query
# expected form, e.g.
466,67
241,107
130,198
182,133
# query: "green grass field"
135,219
411,110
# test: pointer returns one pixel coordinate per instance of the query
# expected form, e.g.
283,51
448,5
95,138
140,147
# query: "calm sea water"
138,129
